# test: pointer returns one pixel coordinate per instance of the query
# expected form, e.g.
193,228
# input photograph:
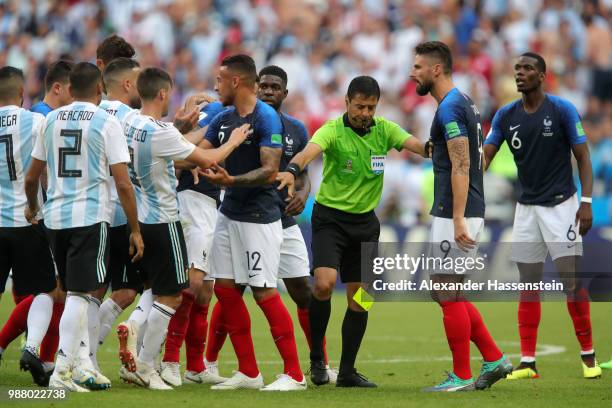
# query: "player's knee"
300,291
124,297
205,293
323,289
261,294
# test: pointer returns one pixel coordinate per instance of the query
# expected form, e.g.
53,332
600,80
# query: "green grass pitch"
403,351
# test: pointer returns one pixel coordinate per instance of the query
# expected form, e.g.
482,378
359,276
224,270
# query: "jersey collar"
359,131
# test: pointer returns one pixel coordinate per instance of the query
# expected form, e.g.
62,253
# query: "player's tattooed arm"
266,174
490,151
459,154
585,172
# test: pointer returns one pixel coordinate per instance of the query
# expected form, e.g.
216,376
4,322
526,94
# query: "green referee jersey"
354,165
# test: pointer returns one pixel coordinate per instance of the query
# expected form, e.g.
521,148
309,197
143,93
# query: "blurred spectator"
323,44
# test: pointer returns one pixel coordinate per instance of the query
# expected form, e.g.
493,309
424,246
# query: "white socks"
142,310
157,326
72,328
109,311
39,317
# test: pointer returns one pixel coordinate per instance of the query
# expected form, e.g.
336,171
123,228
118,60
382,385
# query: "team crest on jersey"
547,127
288,147
349,166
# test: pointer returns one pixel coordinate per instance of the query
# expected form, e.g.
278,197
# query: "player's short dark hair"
59,71
363,85
438,50
540,64
117,67
276,71
84,78
114,47
243,64
151,81
10,80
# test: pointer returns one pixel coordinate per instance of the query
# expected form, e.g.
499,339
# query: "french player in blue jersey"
80,145
24,249
248,235
294,263
543,131
458,214
56,88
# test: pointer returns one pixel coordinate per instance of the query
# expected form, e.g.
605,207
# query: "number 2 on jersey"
62,171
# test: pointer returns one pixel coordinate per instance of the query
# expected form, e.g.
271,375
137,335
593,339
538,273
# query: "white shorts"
198,215
294,261
443,246
539,230
248,253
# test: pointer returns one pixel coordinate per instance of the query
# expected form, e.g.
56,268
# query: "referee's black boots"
318,373
353,379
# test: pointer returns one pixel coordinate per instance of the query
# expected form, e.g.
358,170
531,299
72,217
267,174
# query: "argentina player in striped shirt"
80,145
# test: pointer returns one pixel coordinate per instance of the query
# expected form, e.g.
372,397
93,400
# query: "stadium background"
322,45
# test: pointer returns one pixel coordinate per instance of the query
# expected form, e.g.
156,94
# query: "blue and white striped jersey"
79,142
154,145
19,129
122,112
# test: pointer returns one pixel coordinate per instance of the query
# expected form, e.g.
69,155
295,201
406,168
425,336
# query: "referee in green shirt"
354,148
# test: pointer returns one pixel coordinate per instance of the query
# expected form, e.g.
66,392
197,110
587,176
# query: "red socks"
237,320
480,335
281,327
529,314
217,333
579,310
195,339
304,320
177,329
50,342
457,327
17,321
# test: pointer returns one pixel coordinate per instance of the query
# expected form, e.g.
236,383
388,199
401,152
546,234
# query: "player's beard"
424,88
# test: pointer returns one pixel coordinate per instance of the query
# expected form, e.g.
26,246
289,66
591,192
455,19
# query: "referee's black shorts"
337,237
25,251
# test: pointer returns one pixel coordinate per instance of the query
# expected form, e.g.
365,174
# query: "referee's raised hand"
286,179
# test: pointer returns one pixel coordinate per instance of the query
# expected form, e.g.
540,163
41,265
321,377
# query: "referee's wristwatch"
293,169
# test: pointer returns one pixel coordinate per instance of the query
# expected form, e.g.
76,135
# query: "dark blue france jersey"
295,139
541,143
207,114
257,204
457,116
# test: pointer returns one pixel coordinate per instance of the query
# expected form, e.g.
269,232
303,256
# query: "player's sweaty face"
224,86
526,74
361,110
422,74
271,90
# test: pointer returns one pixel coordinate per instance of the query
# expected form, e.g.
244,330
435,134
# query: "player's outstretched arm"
416,146
32,181
490,151
296,166
125,191
206,158
459,153
585,172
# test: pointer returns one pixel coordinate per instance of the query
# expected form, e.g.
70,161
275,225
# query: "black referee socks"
353,328
319,312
